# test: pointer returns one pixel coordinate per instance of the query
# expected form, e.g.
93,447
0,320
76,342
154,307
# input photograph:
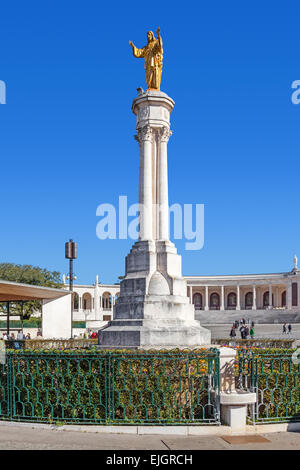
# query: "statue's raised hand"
131,43
158,32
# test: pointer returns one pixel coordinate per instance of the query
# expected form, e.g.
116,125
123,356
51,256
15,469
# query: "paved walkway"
261,331
27,438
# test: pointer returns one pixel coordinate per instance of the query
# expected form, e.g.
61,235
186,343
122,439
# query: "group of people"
20,336
12,337
89,335
286,329
244,328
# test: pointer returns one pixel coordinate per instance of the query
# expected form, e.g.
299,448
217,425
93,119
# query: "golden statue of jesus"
153,54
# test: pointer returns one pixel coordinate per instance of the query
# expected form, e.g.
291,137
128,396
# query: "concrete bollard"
233,402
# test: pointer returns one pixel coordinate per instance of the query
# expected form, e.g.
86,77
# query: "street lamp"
71,254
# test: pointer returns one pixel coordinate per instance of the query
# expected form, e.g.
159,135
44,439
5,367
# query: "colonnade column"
270,296
289,295
145,137
254,298
206,298
191,294
222,306
163,199
238,302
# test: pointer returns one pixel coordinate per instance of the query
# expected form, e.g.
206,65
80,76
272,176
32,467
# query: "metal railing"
111,387
275,377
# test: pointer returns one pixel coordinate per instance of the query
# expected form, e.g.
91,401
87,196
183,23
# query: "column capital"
164,134
144,134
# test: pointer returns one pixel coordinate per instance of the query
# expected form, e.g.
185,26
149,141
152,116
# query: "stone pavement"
261,331
14,437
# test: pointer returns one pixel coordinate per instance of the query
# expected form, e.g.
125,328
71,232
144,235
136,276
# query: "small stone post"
233,402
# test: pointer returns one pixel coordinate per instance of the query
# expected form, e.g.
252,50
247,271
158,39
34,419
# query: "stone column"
145,136
238,302
191,294
163,201
206,298
270,296
254,298
222,306
289,295
96,299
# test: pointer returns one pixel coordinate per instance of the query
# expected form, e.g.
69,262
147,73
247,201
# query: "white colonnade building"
215,298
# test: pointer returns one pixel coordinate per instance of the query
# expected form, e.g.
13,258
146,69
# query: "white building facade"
215,298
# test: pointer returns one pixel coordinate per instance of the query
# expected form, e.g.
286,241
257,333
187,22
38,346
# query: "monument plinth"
153,309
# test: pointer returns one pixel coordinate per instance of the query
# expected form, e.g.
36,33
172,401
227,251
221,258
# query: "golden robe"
153,54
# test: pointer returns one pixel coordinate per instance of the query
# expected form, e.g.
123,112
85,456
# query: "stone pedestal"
153,309
233,402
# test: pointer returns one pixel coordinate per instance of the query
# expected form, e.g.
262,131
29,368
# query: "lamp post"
71,254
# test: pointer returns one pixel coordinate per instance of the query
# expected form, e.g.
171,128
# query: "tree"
27,274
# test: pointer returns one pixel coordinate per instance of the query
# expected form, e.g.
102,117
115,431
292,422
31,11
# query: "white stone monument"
153,309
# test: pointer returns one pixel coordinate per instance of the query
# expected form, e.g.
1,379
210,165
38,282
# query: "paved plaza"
273,331
27,438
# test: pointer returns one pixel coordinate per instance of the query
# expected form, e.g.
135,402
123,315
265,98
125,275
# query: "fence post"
109,388
234,402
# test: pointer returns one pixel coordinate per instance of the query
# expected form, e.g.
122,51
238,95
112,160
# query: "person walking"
252,333
289,329
232,332
246,332
242,331
284,329
19,335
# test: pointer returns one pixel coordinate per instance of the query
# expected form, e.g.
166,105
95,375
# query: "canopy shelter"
56,306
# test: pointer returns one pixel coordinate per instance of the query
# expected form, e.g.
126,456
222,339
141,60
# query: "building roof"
16,291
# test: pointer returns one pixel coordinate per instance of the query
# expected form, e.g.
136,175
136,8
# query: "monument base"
129,334
167,322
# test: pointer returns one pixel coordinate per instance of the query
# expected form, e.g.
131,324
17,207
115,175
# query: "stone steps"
258,316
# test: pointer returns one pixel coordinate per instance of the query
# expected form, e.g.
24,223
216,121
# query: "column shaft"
222,307
163,198
238,303
270,296
206,298
145,136
289,295
254,298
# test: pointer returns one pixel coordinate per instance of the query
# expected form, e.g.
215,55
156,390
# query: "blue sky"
66,132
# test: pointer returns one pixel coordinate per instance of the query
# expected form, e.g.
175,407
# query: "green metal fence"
275,377
111,387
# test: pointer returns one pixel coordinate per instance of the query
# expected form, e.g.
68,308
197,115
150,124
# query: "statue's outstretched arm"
139,53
